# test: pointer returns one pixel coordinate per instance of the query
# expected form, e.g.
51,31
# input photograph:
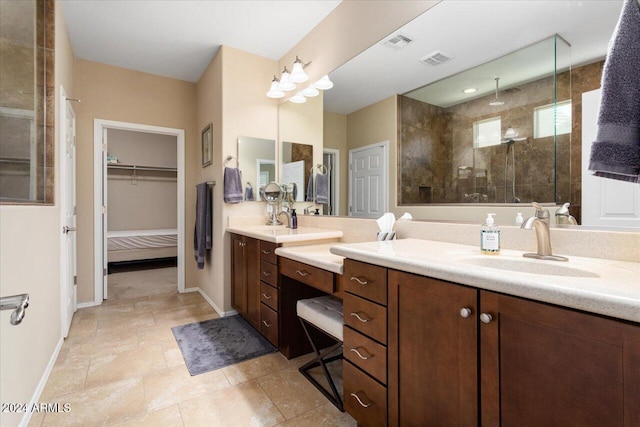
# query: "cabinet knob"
364,405
486,318
361,281
465,312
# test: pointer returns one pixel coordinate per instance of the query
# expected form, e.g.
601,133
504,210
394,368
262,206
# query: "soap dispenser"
490,237
519,219
294,219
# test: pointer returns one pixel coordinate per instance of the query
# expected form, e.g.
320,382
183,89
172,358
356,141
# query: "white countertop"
316,255
282,234
600,286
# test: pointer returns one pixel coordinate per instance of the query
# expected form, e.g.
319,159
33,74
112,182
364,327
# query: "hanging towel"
232,185
202,235
322,189
309,196
248,194
616,151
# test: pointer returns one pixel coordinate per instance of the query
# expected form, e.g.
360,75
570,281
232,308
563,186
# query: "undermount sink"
528,266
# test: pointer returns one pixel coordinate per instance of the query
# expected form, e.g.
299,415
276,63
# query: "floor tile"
165,302
66,378
172,386
242,405
255,368
168,417
292,393
136,321
155,335
140,362
324,416
172,355
100,405
189,298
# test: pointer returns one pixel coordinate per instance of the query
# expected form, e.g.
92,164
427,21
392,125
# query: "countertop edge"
290,252
324,235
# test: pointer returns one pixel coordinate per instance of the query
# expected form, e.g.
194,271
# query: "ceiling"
475,32
178,38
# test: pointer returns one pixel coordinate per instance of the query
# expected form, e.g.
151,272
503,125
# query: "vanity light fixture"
297,73
298,98
470,90
286,84
274,91
324,83
310,91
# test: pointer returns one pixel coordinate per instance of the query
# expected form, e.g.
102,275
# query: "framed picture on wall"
207,146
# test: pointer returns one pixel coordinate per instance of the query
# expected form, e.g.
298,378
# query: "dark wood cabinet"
245,278
465,357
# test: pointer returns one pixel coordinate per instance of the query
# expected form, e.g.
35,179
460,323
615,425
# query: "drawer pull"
267,296
302,273
364,405
268,325
362,282
364,319
266,273
355,350
266,252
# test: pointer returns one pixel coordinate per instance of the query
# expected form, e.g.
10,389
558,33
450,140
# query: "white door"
68,197
368,180
104,213
605,202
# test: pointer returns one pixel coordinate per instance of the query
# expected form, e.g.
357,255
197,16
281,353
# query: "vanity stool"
324,314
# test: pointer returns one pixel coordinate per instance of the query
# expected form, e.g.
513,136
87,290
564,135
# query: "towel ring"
232,158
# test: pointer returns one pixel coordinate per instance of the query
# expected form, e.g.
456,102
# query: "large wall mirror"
257,161
26,107
456,173
296,167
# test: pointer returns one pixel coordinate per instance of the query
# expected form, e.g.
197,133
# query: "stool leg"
333,397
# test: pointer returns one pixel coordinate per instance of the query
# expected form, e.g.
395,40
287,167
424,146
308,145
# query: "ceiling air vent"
397,42
436,58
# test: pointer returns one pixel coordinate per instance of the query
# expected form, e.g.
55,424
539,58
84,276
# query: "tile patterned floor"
121,366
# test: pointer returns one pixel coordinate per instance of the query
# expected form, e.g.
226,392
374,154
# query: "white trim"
385,146
213,305
98,158
24,422
87,304
336,176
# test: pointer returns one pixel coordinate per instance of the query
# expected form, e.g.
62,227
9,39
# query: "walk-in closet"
141,214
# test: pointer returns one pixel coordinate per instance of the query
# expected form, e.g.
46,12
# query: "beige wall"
114,93
239,108
29,236
334,135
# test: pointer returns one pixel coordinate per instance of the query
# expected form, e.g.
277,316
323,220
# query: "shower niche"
497,133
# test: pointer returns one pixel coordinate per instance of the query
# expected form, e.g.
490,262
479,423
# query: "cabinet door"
252,259
543,365
432,352
238,274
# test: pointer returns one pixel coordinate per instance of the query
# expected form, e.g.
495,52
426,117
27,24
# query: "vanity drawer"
366,317
269,295
312,276
269,324
366,354
269,273
371,408
366,280
268,252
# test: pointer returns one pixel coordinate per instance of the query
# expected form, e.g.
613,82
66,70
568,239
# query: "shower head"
496,102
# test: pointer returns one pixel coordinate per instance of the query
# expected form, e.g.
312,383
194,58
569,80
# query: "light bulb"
297,73
298,98
285,81
324,83
310,91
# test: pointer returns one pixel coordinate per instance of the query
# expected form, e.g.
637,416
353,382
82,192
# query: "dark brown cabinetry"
245,278
269,300
461,356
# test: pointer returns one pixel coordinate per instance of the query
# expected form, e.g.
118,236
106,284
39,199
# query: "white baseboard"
220,312
88,304
43,381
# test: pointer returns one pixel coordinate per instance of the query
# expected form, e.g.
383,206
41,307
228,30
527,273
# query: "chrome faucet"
563,217
540,222
288,217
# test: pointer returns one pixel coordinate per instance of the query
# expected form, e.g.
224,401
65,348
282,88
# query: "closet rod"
142,168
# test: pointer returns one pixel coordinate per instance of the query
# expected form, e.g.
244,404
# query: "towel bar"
18,303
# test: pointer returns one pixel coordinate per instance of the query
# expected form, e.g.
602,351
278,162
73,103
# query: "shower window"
486,132
543,120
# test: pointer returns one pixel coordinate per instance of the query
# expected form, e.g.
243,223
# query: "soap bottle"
294,219
519,220
490,237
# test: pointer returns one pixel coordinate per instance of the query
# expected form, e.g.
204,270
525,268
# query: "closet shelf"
141,168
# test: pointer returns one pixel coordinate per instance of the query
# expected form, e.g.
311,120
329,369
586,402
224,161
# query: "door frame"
64,275
335,176
385,168
99,186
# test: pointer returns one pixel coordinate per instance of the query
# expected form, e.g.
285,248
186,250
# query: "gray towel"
616,151
248,194
202,236
322,189
309,196
232,185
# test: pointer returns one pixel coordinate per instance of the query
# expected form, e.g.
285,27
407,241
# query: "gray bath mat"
216,343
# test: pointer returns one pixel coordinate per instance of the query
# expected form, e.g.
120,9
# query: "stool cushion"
325,313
